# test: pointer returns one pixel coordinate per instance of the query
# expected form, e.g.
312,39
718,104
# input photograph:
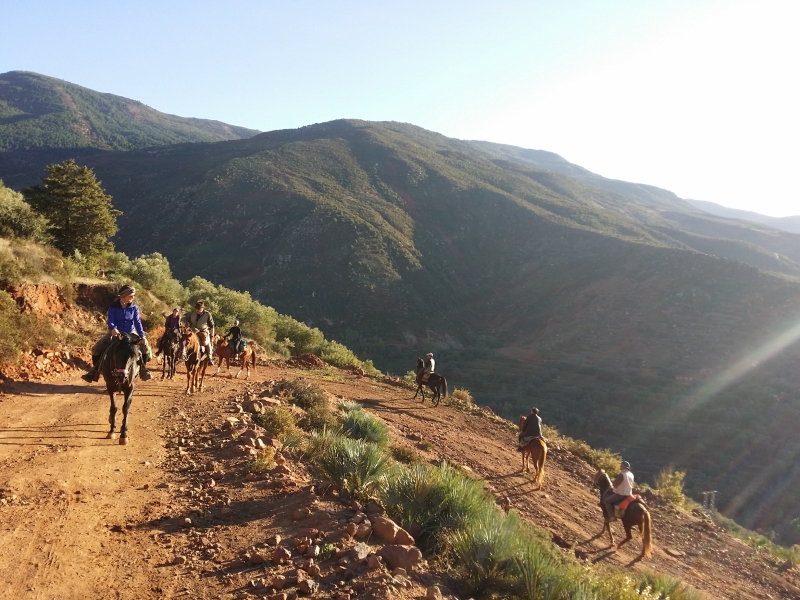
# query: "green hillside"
615,315
39,112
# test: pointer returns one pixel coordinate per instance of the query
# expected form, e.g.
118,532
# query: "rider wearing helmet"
532,428
235,333
622,486
123,317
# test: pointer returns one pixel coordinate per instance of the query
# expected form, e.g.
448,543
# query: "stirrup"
91,377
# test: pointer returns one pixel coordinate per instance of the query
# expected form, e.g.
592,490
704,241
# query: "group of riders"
622,486
124,318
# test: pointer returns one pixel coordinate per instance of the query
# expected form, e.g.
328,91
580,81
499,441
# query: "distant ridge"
790,224
40,112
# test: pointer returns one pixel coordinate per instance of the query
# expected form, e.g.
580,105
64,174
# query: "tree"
18,219
80,212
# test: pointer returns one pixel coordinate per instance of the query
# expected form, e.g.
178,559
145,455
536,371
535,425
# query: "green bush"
306,394
406,455
279,421
361,425
319,441
460,399
263,462
337,354
18,219
354,466
669,485
303,338
439,500
484,551
153,272
319,416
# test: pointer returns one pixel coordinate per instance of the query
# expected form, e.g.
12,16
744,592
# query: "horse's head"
222,342
420,364
522,419
601,479
186,341
123,365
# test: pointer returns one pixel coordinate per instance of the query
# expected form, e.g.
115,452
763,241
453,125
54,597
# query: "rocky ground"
193,507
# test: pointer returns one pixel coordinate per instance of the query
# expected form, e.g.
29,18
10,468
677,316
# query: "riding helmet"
625,464
127,290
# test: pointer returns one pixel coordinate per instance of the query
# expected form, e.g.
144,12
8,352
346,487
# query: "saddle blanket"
623,506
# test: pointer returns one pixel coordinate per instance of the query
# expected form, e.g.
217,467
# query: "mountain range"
631,317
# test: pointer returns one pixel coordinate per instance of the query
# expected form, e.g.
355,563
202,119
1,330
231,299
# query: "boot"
94,374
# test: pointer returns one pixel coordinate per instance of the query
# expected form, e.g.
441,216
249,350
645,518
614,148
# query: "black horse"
120,368
171,347
436,383
636,515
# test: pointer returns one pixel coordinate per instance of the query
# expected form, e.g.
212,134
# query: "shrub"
337,354
354,466
22,331
436,499
410,378
669,485
153,272
263,462
306,394
319,416
303,338
319,441
347,406
279,421
406,455
361,425
460,399
485,548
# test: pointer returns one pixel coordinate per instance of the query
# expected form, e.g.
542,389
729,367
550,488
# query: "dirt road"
76,520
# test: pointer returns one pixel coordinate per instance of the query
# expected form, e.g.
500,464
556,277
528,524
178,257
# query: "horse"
224,351
436,383
636,515
194,352
171,347
120,368
535,451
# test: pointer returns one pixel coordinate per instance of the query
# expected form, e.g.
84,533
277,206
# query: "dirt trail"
82,522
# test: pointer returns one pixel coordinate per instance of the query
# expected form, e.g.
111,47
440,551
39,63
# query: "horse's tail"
253,354
540,470
647,535
444,386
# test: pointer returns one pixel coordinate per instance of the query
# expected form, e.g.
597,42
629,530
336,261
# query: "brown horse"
535,451
224,351
195,354
636,515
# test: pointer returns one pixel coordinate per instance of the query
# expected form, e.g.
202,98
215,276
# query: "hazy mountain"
629,317
38,112
791,224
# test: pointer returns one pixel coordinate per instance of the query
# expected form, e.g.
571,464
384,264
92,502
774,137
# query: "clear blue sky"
700,97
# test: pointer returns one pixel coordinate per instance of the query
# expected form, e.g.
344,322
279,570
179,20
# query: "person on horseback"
430,365
235,333
201,320
531,430
172,321
622,487
123,317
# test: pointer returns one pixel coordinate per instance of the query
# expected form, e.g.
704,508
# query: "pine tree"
80,212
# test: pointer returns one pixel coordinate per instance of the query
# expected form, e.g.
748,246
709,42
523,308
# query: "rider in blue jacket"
123,317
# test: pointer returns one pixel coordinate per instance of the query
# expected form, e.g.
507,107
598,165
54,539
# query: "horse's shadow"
35,388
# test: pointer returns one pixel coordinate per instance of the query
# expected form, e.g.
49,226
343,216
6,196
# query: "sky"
700,97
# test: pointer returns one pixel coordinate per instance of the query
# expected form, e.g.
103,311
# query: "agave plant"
361,425
358,467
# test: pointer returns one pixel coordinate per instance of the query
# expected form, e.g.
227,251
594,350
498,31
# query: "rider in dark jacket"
235,333
532,428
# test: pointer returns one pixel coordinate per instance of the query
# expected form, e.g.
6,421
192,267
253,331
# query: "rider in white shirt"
622,488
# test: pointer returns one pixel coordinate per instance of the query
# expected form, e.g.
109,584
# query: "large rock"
385,529
405,557
403,538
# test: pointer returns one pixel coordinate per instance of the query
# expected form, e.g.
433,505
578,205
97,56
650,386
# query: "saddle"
426,377
619,509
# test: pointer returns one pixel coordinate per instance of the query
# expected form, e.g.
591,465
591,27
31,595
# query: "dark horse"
224,351
171,347
120,367
636,515
195,352
535,452
436,383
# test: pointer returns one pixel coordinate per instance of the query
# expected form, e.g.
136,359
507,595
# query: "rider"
235,333
532,428
123,317
428,367
202,320
622,486
172,321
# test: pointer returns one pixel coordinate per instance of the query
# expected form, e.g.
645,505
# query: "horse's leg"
202,375
188,379
164,366
123,432
112,417
628,534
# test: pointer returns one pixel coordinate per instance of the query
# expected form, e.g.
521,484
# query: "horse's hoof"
123,441
111,435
